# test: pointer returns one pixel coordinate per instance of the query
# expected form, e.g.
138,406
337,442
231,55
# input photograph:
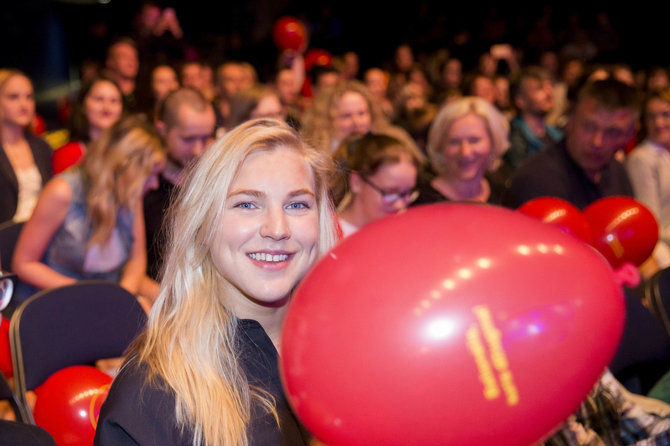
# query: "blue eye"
298,205
245,205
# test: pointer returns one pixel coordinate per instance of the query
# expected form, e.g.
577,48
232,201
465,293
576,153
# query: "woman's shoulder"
138,410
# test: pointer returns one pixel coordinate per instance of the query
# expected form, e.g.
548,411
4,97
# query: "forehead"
102,86
188,118
17,81
164,72
657,104
262,164
351,99
589,110
123,49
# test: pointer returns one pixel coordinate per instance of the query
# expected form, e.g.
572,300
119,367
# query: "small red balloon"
66,156
68,404
289,34
317,57
623,229
5,352
449,324
560,213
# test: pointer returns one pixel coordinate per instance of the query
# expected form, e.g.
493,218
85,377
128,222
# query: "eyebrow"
259,194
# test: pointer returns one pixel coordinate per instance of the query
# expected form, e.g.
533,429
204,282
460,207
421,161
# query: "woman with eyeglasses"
88,222
648,167
465,142
376,177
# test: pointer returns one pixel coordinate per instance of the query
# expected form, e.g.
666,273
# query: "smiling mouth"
266,257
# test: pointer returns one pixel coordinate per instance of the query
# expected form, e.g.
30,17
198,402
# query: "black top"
9,186
553,173
156,203
428,194
136,413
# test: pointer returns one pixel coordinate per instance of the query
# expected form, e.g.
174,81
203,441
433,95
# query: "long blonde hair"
189,343
115,169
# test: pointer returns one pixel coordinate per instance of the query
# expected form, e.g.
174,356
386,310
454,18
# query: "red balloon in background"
317,58
66,156
623,229
449,324
289,33
68,404
5,352
558,212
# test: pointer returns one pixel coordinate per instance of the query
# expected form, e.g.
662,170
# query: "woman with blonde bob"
466,140
340,110
88,222
250,220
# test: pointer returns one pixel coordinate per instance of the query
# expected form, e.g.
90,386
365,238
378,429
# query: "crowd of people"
209,194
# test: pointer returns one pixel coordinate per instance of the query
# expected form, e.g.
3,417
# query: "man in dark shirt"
583,168
186,124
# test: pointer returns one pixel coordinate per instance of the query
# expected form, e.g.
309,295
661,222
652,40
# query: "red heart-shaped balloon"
449,324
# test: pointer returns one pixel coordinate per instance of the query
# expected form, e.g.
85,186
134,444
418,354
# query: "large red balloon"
560,213
289,34
68,404
449,324
623,230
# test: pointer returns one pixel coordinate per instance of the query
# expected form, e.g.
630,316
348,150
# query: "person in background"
256,102
122,64
99,105
376,176
186,124
466,140
88,222
25,159
648,167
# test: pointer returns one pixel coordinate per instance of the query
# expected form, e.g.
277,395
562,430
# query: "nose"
597,138
275,224
198,148
466,149
399,204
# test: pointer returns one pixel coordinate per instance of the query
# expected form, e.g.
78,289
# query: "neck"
476,189
354,214
536,123
173,173
12,134
94,133
271,318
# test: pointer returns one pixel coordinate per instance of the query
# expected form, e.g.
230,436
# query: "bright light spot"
441,328
449,284
425,303
484,263
435,294
465,273
543,248
558,249
83,414
523,250
610,238
533,329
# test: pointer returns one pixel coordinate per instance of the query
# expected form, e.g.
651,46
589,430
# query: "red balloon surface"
449,324
289,33
560,213
317,58
5,351
68,404
623,229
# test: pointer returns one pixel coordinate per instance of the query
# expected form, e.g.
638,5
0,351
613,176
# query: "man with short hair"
533,97
583,168
122,64
186,123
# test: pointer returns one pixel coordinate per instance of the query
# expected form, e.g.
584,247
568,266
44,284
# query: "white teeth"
263,257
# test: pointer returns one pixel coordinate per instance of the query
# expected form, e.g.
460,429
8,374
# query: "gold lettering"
486,376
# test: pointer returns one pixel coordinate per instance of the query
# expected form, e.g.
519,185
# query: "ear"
355,183
160,127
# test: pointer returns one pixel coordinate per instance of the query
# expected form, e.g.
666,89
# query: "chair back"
657,294
9,234
71,325
7,394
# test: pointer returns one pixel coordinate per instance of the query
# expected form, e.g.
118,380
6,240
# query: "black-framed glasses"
408,196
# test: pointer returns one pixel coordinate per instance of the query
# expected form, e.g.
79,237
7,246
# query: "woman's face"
268,235
658,121
268,107
163,81
351,114
17,103
103,105
467,148
387,191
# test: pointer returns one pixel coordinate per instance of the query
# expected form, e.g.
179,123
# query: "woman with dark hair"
98,106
